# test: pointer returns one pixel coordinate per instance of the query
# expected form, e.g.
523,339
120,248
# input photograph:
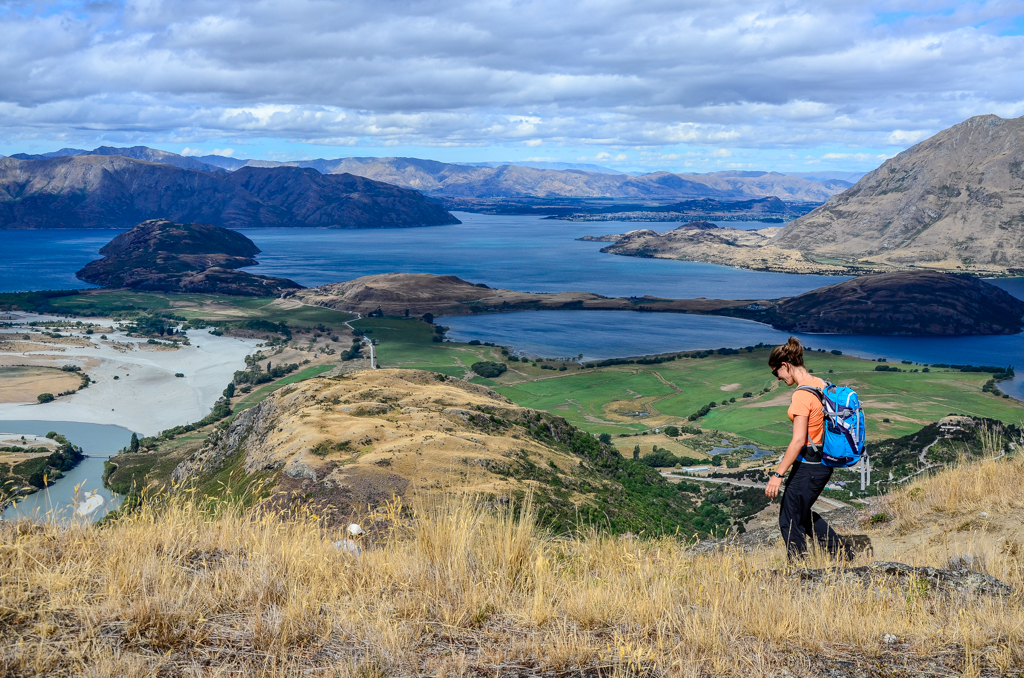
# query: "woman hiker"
808,476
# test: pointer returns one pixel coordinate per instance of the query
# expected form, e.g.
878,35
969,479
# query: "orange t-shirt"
808,405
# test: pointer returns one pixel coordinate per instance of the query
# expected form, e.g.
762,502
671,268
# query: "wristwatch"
776,474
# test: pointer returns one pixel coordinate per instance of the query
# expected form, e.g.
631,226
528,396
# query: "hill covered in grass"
337,444
458,588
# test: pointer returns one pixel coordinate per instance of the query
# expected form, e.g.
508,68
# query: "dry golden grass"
455,589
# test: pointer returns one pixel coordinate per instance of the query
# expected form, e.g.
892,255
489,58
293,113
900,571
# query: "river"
82,485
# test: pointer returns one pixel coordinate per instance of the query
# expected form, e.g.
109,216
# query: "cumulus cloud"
644,74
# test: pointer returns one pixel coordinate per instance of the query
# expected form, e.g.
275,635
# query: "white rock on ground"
147,397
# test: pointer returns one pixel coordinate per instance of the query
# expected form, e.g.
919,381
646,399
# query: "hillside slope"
345,442
954,202
903,302
113,191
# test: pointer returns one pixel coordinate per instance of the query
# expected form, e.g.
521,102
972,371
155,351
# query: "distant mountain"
953,202
520,180
586,167
113,191
62,153
160,255
136,152
846,177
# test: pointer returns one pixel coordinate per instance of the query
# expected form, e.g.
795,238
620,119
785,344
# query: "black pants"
797,520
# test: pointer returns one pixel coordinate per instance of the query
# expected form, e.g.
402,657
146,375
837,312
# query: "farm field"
407,344
601,400
631,399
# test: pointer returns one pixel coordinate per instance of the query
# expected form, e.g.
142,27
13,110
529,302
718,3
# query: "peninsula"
894,303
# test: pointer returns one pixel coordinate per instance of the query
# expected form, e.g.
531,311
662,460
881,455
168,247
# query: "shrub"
605,438
835,352
179,374
488,369
46,397
671,431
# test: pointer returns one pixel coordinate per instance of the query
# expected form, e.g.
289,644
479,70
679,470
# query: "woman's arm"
792,452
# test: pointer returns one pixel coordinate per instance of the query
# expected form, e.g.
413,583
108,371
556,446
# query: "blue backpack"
843,442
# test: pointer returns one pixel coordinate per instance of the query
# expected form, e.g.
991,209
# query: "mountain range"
525,180
116,191
954,201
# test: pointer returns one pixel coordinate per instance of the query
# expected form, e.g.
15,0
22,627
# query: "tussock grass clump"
449,589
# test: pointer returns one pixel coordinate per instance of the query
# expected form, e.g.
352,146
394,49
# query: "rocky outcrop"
902,302
880,573
160,255
952,202
113,191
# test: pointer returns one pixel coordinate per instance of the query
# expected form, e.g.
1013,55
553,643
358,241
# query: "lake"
531,254
61,499
524,253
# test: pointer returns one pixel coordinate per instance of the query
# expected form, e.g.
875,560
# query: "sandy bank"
146,397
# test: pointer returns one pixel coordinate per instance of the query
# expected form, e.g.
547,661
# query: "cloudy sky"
652,84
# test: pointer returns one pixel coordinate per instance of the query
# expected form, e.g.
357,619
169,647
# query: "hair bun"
791,352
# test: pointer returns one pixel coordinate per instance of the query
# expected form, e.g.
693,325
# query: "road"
369,342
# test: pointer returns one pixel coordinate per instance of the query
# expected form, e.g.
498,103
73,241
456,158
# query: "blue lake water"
531,254
60,500
524,253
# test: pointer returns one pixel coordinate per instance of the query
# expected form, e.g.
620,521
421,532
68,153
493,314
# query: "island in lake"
162,256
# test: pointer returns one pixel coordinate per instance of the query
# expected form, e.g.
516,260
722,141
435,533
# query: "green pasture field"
671,391
597,400
260,394
407,344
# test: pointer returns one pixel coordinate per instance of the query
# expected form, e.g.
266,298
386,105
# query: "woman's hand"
772,490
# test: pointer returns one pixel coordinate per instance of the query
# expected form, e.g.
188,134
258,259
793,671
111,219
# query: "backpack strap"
810,443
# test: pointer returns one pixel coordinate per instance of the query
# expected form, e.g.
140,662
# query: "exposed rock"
112,191
161,255
954,201
960,581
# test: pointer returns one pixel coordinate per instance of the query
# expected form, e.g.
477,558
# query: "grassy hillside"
456,589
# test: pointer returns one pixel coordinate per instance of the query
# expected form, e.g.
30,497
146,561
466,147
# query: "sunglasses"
775,372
